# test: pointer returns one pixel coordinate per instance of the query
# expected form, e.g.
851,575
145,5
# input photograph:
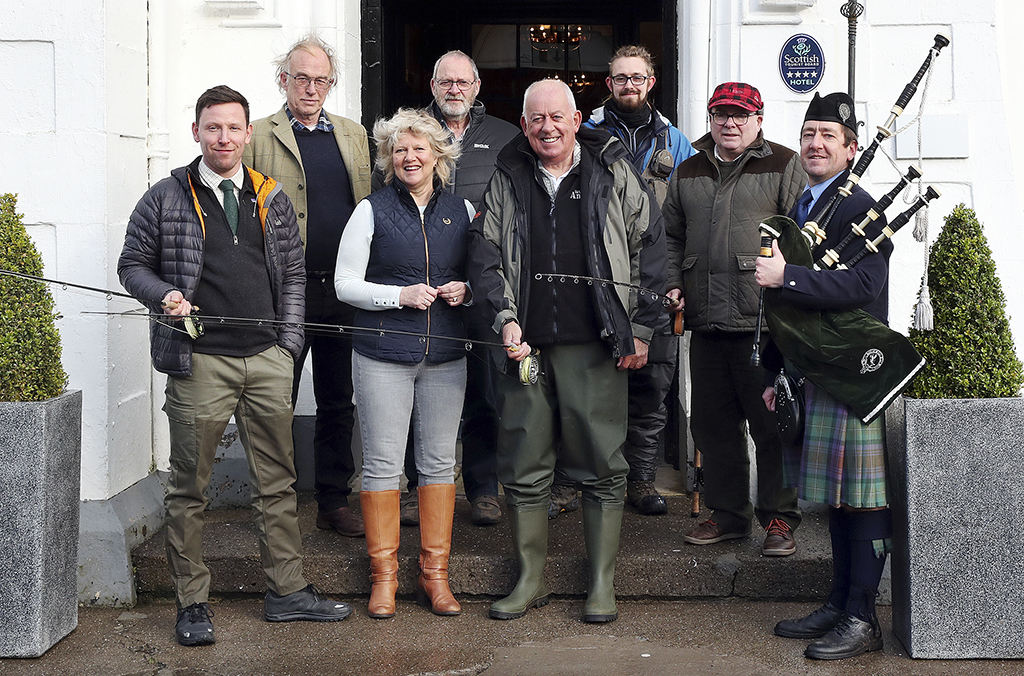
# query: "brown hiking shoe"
646,498
486,510
343,520
778,540
563,499
709,532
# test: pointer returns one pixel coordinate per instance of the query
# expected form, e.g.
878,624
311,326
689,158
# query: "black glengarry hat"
836,107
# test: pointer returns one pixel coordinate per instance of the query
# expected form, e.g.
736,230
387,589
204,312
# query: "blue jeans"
388,397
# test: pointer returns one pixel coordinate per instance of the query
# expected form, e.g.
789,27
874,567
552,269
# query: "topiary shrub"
29,342
970,353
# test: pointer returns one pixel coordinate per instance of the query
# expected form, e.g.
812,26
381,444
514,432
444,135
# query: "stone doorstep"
654,561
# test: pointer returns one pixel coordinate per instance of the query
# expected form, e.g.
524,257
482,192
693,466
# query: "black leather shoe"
851,637
306,604
193,626
817,624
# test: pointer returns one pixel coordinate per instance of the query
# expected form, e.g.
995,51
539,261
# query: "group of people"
281,228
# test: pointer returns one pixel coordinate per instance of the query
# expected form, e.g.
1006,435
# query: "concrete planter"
40,466
958,497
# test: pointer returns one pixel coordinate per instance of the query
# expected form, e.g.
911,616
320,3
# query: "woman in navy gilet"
402,263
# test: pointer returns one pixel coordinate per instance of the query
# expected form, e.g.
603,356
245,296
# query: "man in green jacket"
323,163
715,202
565,200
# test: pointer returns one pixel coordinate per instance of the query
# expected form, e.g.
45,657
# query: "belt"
319,273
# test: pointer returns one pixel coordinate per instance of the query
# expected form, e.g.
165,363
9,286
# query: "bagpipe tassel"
924,319
921,227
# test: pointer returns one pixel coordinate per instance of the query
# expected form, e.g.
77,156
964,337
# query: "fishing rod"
561,277
193,326
529,367
309,327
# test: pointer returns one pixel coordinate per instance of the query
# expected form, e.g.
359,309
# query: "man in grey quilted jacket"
220,236
716,200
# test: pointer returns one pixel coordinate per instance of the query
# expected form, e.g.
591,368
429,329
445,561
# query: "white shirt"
212,180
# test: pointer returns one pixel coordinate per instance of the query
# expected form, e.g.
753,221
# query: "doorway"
514,44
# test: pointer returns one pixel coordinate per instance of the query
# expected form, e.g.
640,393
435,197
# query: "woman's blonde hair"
420,123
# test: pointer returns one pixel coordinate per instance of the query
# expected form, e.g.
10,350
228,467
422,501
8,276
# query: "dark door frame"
378,52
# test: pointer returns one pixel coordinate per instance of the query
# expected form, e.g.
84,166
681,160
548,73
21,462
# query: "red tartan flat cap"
736,94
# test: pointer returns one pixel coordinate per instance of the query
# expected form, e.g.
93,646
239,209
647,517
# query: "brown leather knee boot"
380,515
437,508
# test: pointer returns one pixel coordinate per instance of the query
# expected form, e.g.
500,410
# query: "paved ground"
689,611
711,638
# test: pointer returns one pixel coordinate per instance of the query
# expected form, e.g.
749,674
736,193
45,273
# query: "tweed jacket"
274,151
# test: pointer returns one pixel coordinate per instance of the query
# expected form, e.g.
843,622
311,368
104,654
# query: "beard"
631,105
454,108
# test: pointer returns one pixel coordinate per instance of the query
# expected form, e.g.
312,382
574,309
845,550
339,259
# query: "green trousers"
257,390
576,413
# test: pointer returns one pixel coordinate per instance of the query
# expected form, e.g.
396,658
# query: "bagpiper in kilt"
841,460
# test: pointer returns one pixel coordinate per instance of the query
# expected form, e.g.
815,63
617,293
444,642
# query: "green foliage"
970,353
29,342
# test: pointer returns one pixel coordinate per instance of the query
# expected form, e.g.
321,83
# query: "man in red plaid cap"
716,200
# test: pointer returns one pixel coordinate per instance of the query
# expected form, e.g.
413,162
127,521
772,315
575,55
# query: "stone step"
653,562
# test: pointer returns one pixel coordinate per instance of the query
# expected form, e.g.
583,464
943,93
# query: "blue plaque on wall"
802,64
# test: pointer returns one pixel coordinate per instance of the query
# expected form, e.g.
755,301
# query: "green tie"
230,204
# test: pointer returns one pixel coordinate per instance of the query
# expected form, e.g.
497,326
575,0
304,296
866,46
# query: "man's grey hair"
565,89
456,52
308,43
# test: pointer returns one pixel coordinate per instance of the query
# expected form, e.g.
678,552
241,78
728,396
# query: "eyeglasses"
635,79
321,83
463,85
739,118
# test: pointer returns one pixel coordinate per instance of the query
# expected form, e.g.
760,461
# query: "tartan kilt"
842,460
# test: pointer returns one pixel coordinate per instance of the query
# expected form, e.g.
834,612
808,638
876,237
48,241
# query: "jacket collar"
759,148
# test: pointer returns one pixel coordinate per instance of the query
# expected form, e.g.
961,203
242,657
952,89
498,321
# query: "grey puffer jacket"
711,225
163,251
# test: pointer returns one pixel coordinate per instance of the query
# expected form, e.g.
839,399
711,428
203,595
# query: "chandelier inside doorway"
556,36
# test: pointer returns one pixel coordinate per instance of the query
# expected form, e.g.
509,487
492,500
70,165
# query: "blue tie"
803,207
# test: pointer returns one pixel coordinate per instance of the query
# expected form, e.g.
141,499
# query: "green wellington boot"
601,529
530,538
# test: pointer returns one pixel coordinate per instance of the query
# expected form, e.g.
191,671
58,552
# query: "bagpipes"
848,353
